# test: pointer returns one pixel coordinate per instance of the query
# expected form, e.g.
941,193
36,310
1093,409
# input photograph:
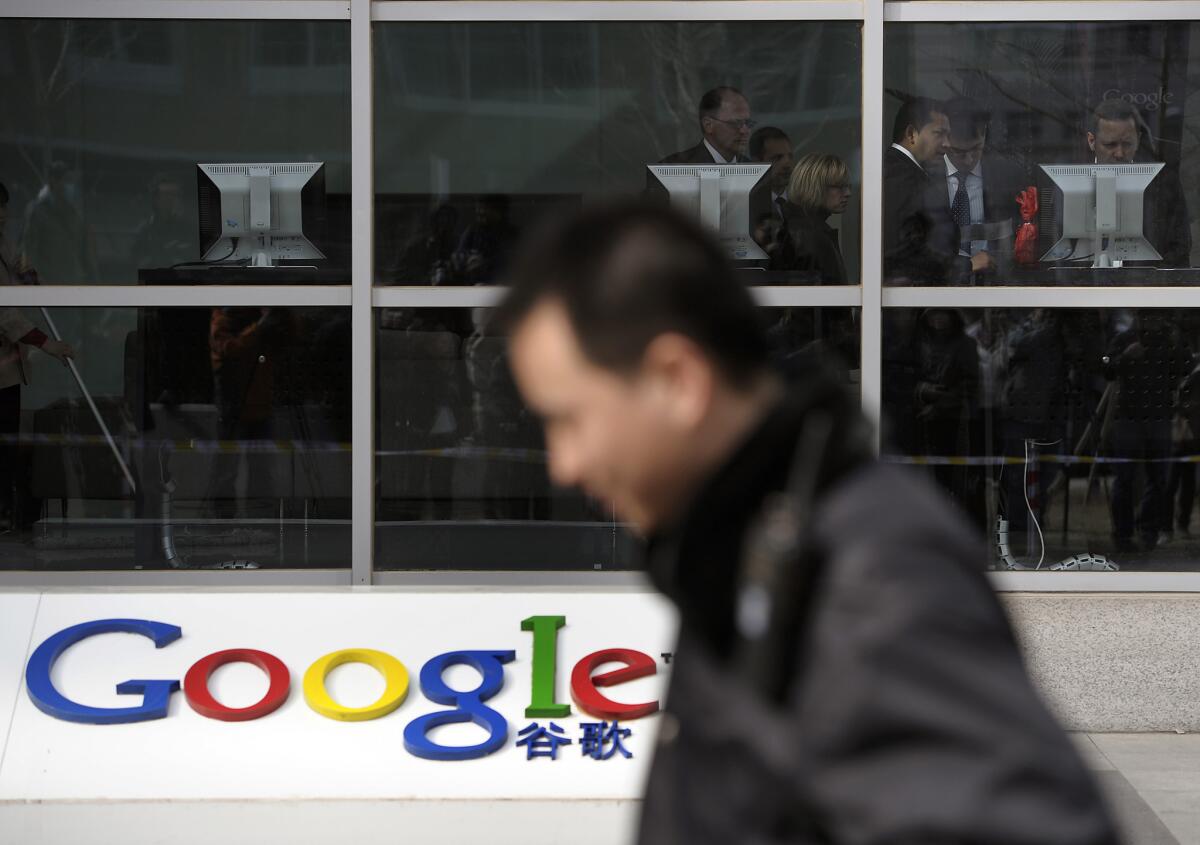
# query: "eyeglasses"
742,123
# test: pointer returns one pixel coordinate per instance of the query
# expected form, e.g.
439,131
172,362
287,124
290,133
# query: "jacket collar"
695,561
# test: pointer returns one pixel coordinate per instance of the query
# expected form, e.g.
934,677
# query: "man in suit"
771,145
971,186
1114,137
725,128
920,136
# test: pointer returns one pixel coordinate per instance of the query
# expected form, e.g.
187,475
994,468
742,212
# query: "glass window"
483,128
460,462
1001,104
229,428
108,121
1074,427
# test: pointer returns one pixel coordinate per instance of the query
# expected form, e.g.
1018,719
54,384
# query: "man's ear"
682,377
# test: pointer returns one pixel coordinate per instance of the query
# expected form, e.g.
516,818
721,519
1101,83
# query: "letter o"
395,677
201,699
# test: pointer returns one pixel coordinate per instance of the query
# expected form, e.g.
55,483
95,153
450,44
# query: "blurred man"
844,672
725,128
972,188
1114,137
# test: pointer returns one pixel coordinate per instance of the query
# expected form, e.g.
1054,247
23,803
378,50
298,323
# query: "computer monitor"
718,197
1102,212
263,213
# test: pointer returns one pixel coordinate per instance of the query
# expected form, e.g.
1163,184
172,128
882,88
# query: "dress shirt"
974,194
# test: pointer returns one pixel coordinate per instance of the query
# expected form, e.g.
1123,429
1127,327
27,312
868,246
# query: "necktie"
781,208
960,209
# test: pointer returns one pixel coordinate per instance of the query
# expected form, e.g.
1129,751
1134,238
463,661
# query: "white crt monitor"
1102,212
261,212
718,197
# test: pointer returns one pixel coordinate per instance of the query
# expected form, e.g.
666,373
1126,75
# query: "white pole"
95,411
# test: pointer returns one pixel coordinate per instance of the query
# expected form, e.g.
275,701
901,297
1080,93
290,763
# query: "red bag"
1025,251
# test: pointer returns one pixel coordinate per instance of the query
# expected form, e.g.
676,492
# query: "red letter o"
195,685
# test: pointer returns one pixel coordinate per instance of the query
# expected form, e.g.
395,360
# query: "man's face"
729,129
608,434
965,153
778,153
1114,141
932,140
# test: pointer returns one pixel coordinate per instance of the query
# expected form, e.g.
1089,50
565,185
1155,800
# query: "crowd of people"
1035,386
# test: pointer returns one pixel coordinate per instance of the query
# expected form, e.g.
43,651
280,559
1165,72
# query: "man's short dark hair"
916,112
712,100
967,120
628,272
760,137
1117,111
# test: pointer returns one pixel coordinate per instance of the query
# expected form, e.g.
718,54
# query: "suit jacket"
1002,181
909,255
698,154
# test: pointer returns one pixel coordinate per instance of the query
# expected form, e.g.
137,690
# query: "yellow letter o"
395,677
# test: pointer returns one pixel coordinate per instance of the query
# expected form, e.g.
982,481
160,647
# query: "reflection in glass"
1075,427
978,108
460,461
482,129
114,117
235,423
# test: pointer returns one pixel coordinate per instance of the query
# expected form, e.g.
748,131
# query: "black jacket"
698,154
1002,181
815,252
901,715
909,226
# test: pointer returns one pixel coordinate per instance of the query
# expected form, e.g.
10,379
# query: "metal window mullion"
178,9
486,297
808,297
614,10
157,296
362,328
937,11
1042,297
871,323
170,579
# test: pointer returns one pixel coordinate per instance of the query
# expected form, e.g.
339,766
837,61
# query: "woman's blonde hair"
812,174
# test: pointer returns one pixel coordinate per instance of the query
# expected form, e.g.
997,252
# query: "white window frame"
362,297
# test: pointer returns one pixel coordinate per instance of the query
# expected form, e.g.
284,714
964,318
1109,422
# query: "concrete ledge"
1113,663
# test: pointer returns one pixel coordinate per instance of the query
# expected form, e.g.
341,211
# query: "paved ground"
1152,782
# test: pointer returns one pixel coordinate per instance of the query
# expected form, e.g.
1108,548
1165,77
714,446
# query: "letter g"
156,695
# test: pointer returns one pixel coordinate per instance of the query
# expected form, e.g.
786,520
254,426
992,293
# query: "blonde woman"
819,187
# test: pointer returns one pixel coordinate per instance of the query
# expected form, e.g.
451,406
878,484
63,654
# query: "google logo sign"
463,706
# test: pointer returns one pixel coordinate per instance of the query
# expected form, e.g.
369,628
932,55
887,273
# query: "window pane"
460,461
484,128
111,119
1075,426
233,424
1108,101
